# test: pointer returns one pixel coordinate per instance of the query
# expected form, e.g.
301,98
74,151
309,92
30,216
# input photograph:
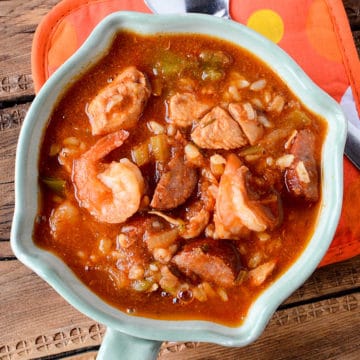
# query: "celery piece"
160,147
140,154
57,185
297,119
252,150
215,58
170,64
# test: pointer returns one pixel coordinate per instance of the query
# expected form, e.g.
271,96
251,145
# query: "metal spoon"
220,8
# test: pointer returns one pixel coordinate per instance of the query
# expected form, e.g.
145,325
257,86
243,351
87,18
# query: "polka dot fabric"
315,33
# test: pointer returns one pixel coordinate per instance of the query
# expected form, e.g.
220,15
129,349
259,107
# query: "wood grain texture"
61,328
356,35
11,119
88,355
352,8
321,320
289,336
18,23
39,322
5,251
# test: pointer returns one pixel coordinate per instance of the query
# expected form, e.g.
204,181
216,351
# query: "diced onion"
136,272
285,161
161,239
302,172
290,139
155,127
71,141
223,294
277,104
141,285
193,154
169,219
123,240
199,293
210,292
163,256
217,164
105,245
263,236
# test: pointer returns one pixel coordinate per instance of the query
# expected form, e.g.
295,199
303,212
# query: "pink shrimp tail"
106,144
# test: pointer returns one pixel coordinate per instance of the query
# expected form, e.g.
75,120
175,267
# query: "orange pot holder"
315,33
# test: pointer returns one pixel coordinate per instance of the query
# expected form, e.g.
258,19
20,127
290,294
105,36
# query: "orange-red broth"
69,118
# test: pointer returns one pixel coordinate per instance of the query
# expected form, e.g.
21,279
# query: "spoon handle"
218,8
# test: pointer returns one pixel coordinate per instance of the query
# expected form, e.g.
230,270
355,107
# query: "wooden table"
319,321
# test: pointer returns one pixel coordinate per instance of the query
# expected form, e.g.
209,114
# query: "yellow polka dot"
268,23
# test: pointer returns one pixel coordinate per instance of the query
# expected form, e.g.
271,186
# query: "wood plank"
5,250
35,321
356,35
324,329
16,34
328,329
328,280
352,8
21,19
26,326
11,119
88,355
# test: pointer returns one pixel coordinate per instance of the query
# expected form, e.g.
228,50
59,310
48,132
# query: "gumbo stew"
179,177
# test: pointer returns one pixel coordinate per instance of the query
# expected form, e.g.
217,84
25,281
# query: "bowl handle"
117,345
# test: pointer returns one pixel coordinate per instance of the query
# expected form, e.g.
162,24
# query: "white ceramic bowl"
127,335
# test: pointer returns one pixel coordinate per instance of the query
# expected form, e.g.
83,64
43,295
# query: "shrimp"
235,212
119,104
60,218
110,192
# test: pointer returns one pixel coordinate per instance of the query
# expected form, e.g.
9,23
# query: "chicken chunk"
258,275
175,185
184,109
301,178
246,117
218,130
196,220
131,251
235,212
119,104
209,260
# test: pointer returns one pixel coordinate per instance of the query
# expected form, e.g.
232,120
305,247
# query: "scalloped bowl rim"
62,279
